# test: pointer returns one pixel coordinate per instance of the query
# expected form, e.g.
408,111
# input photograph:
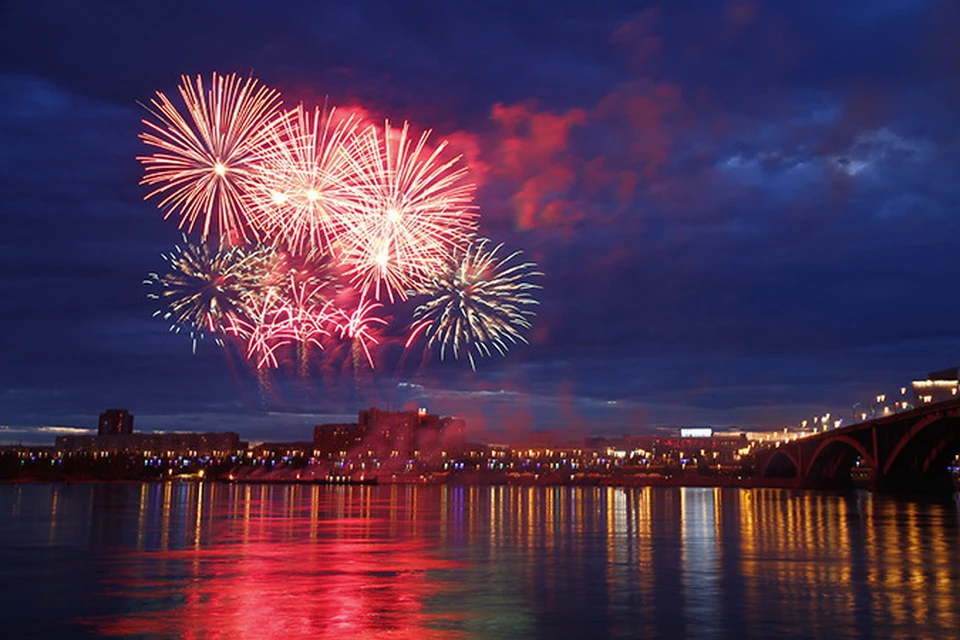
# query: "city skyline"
744,214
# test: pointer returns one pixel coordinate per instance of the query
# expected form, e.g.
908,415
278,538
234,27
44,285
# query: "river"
205,560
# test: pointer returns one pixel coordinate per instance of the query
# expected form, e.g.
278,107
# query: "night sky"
746,212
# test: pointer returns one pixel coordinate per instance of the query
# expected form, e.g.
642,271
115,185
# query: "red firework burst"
264,332
411,209
293,311
302,195
358,325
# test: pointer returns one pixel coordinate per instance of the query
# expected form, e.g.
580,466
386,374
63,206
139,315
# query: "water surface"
268,561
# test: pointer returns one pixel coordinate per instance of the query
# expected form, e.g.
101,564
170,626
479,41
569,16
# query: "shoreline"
719,483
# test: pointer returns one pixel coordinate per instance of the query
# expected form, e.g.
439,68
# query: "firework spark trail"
293,311
303,313
356,325
205,288
414,209
205,158
480,305
302,194
264,331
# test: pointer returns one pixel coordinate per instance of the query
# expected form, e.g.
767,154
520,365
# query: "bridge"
906,451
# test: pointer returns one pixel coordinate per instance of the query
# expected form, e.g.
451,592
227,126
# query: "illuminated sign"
696,432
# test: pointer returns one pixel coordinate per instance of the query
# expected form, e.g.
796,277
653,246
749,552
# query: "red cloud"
631,131
540,199
534,151
468,146
531,139
647,110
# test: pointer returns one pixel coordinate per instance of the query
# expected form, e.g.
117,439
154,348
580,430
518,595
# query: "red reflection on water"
342,588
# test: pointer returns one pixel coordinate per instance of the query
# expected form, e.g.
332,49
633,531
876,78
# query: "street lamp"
855,414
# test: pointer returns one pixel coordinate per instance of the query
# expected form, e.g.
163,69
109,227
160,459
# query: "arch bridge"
907,451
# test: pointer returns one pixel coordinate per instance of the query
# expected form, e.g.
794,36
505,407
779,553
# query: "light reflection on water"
209,560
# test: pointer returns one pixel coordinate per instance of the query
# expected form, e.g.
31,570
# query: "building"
391,434
298,449
697,446
115,421
409,434
333,441
939,386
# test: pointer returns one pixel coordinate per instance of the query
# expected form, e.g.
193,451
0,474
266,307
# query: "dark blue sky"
746,211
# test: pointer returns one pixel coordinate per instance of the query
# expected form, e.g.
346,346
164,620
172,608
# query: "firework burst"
358,326
205,288
321,220
413,209
206,156
480,305
292,305
303,312
265,329
302,194
283,271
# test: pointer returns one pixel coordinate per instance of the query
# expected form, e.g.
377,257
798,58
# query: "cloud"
563,169
710,188
741,13
638,37
38,435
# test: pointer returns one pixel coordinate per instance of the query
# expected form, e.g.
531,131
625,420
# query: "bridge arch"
925,449
910,436
833,455
779,463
